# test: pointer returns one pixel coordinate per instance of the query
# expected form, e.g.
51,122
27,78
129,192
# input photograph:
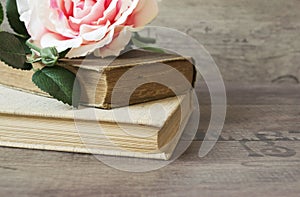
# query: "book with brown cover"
99,78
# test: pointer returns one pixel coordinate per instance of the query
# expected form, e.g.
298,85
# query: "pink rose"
100,26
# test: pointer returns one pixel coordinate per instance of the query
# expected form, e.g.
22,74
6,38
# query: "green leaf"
147,47
145,40
64,53
1,13
23,42
154,49
14,18
59,83
12,52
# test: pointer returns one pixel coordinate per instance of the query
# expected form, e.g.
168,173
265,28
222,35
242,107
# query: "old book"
36,122
99,80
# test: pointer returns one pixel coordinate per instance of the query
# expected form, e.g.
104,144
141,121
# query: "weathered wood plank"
255,109
249,121
251,41
255,94
226,171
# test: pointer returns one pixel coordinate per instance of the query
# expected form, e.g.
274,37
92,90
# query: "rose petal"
109,13
89,48
61,43
144,13
125,15
54,18
93,33
116,46
61,25
28,15
92,14
23,6
124,5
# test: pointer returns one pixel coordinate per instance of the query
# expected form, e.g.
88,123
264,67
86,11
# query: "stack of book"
31,119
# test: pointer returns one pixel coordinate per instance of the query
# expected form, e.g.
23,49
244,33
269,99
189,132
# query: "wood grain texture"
251,41
257,155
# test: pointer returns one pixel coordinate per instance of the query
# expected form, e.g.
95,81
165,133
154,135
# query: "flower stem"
35,69
32,46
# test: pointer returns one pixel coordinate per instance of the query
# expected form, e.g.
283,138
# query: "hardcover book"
98,79
37,122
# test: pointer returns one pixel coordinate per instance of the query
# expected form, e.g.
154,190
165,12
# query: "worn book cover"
99,77
36,122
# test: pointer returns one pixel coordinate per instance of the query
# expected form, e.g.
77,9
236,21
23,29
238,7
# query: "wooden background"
251,40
